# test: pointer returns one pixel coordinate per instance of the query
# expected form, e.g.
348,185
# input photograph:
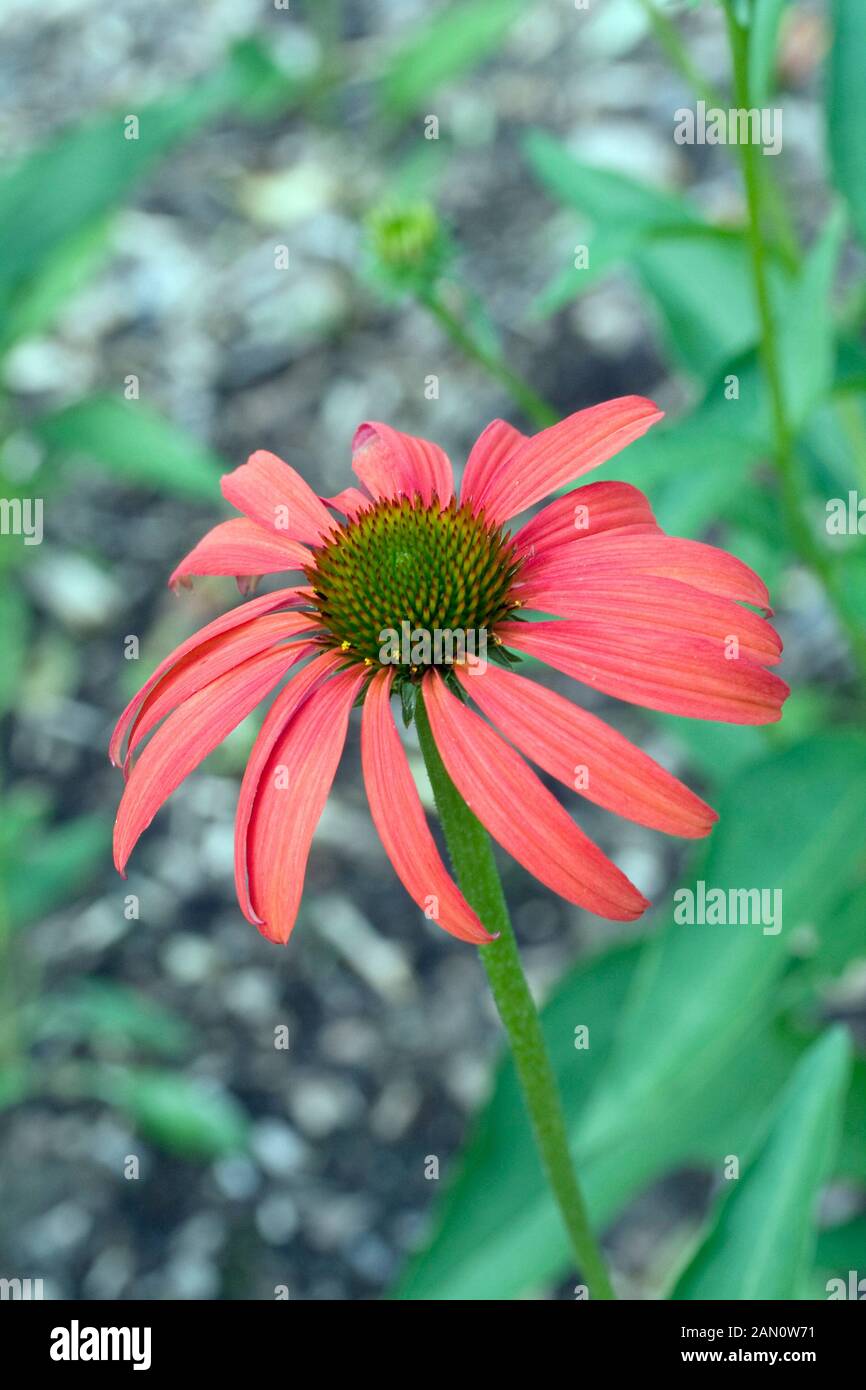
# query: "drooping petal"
521,813
244,613
493,447
351,502
391,464
271,492
240,547
614,555
287,702
563,452
292,792
586,754
650,603
399,818
667,671
185,739
214,658
585,512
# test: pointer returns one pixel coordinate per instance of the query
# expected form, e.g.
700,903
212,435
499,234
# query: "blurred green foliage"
704,1042
846,107
56,206
457,38
694,1034
691,1035
762,1241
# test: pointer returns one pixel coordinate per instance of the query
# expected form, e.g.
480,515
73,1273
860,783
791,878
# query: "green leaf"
14,1084
696,1059
99,1011
57,196
179,1113
135,444
606,198
805,329
25,809
726,435
763,47
451,43
841,938
63,271
762,1242
719,752
697,276
500,1172
701,285
841,1249
408,701
606,252
852,1152
55,866
826,445
765,839
254,84
851,573
692,502
14,629
499,1234
846,107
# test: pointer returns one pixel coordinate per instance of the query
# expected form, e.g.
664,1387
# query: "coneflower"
652,619
640,615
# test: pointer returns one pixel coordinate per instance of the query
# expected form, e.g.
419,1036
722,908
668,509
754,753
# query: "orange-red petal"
185,739
244,613
240,547
399,818
614,555
286,704
291,795
650,603
585,512
213,658
491,450
677,673
351,502
392,464
269,491
586,754
558,455
521,813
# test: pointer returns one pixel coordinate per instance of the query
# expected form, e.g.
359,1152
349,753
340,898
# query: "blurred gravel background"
391,1033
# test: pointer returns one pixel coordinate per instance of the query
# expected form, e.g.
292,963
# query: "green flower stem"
472,856
538,410
669,39
792,484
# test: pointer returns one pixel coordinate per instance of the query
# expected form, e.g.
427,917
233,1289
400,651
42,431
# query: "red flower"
649,618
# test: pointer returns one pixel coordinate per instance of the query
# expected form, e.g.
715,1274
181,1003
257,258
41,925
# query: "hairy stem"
472,856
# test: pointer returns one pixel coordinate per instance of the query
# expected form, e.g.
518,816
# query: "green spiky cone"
435,568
